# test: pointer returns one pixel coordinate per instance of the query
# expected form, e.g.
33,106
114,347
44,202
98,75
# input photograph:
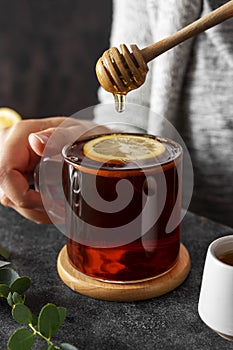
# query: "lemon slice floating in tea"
123,148
8,117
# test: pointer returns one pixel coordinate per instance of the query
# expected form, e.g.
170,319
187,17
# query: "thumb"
63,135
38,140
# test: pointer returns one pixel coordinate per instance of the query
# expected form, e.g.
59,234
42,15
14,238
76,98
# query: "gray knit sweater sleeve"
205,118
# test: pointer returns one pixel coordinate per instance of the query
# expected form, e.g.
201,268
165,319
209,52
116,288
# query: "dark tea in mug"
227,258
123,205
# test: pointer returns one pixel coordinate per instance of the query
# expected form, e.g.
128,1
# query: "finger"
57,138
38,216
19,192
53,139
17,161
15,142
38,142
1,194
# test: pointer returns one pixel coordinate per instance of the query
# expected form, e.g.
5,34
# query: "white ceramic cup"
216,296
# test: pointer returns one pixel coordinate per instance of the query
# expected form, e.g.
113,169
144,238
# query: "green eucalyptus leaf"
17,298
22,314
8,275
4,290
3,263
20,285
66,346
62,314
49,321
10,299
21,339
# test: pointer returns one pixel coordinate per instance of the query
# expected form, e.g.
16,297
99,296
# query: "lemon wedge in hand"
123,148
8,117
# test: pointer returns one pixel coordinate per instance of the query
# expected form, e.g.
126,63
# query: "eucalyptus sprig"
45,325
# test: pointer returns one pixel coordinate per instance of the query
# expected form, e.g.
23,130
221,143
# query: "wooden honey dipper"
120,72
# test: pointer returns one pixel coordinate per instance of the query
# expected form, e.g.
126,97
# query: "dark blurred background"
48,52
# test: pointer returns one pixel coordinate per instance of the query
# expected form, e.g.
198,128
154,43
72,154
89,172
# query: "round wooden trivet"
123,291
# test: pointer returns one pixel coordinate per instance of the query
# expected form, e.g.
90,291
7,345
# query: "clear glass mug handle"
48,181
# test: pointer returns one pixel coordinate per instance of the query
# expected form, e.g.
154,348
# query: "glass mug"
122,216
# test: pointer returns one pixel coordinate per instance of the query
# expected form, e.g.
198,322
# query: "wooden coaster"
123,291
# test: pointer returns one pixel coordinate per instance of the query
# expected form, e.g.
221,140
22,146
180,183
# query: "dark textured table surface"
167,322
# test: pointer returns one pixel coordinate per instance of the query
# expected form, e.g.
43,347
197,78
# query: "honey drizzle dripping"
119,102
